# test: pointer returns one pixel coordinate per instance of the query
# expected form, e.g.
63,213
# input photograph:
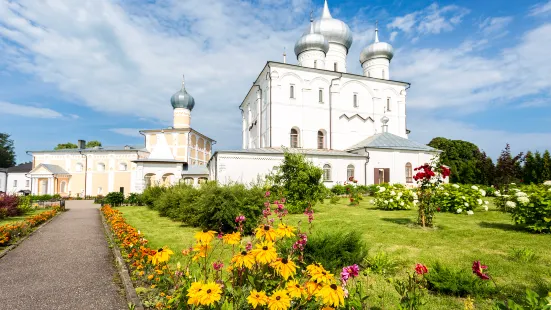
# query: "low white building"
17,179
3,177
347,124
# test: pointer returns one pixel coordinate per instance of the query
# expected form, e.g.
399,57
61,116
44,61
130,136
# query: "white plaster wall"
2,182
21,182
336,54
377,68
312,59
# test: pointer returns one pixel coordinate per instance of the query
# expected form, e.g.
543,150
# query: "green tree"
486,169
539,168
68,145
508,168
529,170
7,151
546,166
93,143
299,181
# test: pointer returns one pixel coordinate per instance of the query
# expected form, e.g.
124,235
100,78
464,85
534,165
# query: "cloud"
495,25
541,9
130,132
28,111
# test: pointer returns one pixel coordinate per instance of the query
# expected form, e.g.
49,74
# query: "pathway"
67,264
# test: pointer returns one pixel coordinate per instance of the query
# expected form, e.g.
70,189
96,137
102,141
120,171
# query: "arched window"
355,100
327,172
188,181
320,96
350,172
294,137
335,66
388,103
315,64
292,91
123,166
62,186
148,179
202,180
409,173
78,167
368,73
101,167
321,140
383,73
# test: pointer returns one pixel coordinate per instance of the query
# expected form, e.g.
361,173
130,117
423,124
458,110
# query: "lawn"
20,218
456,241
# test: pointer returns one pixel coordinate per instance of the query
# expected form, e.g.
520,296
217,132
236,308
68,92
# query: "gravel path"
67,264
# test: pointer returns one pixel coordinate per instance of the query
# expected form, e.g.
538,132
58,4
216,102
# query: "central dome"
181,99
334,30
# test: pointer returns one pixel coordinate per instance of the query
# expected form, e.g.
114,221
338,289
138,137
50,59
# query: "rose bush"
457,198
394,197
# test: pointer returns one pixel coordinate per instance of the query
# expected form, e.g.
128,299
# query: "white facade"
3,176
18,182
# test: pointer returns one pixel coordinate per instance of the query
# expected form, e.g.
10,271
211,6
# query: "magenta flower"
478,269
267,194
249,246
217,266
240,219
349,272
310,213
421,269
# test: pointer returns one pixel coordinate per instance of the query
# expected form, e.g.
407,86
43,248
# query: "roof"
152,160
116,148
277,151
196,169
21,168
387,140
54,169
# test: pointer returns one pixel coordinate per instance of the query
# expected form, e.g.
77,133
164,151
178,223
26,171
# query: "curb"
16,244
129,289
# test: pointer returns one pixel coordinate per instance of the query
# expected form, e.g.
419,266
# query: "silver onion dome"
181,99
334,30
377,50
311,42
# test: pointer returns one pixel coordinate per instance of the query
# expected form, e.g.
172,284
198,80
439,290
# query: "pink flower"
282,200
310,213
240,218
217,266
421,269
267,194
478,269
349,272
249,246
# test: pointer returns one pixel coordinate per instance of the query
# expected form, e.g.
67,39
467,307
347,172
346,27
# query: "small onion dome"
377,50
181,99
334,30
384,119
311,42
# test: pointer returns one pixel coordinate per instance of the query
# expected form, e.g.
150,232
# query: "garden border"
16,244
129,289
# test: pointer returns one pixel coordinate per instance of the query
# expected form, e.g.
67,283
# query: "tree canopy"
7,151
69,145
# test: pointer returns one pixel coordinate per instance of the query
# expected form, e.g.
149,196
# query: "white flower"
463,197
391,200
372,201
392,193
520,194
513,184
382,189
470,212
523,200
459,211
547,183
455,185
479,201
485,208
486,202
386,201
415,202
400,194
483,193
402,203
510,204
474,187
446,194
515,190
466,204
498,192
415,196
506,196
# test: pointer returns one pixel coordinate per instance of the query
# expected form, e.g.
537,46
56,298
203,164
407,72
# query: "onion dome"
384,119
311,42
181,99
377,50
334,30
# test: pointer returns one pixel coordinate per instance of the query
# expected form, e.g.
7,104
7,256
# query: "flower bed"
11,232
459,198
394,197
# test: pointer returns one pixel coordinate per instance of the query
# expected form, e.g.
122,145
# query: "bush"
457,198
338,189
41,197
151,194
460,283
530,206
134,199
9,205
114,199
335,249
394,197
382,263
25,205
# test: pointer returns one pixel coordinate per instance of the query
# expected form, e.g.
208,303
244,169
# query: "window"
100,189
320,96
62,187
327,172
368,73
321,140
350,172
78,167
148,180
101,167
335,66
315,64
27,183
409,173
388,104
383,73
14,183
355,100
202,180
292,91
188,181
294,137
123,166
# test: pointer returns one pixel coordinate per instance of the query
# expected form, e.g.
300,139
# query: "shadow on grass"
399,221
502,226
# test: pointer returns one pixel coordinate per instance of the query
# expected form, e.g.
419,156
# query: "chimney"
81,144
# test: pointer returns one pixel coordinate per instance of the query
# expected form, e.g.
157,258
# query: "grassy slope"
457,241
14,219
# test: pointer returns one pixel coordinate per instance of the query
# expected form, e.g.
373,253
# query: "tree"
299,181
93,143
508,168
487,169
529,171
7,151
546,166
68,145
539,168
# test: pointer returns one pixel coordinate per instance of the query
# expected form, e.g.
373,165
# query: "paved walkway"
67,264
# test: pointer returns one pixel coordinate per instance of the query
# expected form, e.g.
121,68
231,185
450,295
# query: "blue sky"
102,70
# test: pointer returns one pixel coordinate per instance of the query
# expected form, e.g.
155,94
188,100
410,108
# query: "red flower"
438,209
478,269
351,179
421,269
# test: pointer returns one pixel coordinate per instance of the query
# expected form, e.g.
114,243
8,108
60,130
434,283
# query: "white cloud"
495,25
28,111
130,132
541,9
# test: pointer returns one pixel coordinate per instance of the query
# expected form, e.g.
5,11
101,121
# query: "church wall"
122,179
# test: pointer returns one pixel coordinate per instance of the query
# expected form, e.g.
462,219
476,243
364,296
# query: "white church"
350,125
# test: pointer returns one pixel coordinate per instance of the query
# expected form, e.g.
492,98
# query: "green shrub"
394,197
25,205
382,263
134,199
462,283
335,249
338,189
334,199
40,197
530,206
114,198
152,193
457,198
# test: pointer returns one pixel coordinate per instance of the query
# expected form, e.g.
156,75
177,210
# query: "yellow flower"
233,238
193,293
243,259
202,248
284,267
294,289
332,295
266,232
162,255
319,274
312,287
314,268
210,293
265,252
279,301
257,298
149,277
284,230
205,236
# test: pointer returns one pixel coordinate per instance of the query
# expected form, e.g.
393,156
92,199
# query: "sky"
102,70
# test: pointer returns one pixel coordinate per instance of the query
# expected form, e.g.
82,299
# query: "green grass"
20,218
456,241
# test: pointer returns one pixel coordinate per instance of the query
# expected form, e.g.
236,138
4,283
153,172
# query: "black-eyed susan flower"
332,295
266,232
210,293
265,252
243,259
202,249
312,287
284,230
194,293
294,289
204,236
162,255
279,301
233,238
257,298
320,275
284,267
